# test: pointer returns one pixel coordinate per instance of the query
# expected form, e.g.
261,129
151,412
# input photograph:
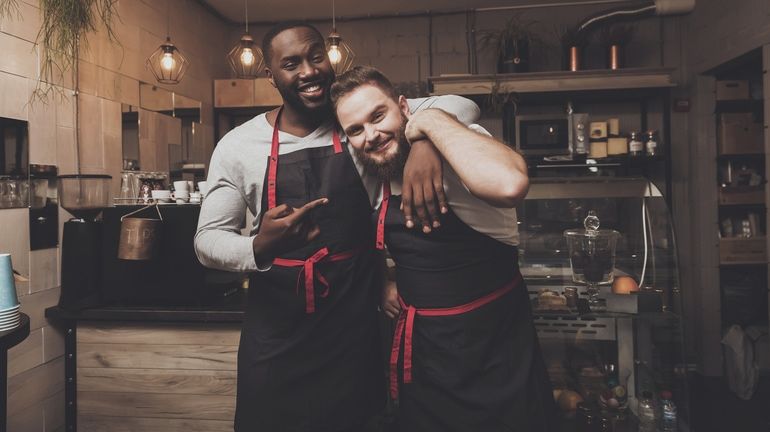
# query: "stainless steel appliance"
541,135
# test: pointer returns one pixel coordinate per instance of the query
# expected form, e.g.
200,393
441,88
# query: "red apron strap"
311,274
405,328
380,242
394,353
337,143
272,164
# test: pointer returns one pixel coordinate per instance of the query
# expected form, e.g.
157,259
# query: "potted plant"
573,44
510,44
62,33
614,39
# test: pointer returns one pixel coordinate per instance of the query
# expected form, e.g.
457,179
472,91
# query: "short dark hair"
357,77
279,28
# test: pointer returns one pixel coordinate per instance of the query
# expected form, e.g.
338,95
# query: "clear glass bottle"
668,421
646,413
651,142
635,144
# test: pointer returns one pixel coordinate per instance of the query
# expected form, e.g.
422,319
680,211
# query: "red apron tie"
308,267
272,164
380,242
405,329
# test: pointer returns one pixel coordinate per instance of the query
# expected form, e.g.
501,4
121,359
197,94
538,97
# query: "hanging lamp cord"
246,6
334,18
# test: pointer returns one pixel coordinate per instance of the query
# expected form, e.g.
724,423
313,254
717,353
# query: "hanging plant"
62,34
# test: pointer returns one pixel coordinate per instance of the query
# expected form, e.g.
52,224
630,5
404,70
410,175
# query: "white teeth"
311,88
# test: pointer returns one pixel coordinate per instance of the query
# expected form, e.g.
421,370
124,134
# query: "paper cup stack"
10,316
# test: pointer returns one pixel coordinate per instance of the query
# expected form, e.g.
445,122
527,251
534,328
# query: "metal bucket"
140,237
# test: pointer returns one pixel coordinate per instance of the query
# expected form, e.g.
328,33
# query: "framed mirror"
14,163
165,134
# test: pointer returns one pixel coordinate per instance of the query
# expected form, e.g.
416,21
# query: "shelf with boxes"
742,194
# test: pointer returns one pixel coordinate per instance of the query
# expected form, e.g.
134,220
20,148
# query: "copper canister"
574,59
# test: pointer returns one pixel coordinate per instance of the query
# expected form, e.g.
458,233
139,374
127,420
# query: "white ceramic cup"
195,197
181,197
203,187
163,196
181,185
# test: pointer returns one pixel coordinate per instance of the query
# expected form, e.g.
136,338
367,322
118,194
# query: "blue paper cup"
8,297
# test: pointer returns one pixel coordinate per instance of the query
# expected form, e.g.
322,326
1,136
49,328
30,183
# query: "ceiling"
266,11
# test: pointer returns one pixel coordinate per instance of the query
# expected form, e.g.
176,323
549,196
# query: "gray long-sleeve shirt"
237,172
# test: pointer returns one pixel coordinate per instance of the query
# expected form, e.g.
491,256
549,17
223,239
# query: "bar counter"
135,367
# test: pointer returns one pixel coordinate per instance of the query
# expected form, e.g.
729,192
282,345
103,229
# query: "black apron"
309,356
465,354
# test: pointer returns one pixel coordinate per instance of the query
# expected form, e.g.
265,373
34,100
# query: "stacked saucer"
10,318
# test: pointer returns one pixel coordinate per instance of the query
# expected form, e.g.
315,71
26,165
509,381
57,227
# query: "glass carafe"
592,257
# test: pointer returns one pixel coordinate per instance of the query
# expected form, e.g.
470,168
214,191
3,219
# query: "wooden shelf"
742,195
544,82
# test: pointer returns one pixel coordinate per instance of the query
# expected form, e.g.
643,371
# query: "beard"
291,97
390,168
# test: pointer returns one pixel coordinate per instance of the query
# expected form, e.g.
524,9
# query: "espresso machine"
85,196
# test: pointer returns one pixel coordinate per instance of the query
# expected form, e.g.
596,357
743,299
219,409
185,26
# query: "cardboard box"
617,146
738,250
598,150
732,90
740,134
598,130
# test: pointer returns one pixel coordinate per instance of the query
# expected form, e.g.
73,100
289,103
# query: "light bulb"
247,57
334,54
167,62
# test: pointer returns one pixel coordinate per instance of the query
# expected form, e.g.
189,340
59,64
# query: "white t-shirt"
497,223
237,172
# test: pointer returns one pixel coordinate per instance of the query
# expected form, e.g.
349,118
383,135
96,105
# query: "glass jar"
635,144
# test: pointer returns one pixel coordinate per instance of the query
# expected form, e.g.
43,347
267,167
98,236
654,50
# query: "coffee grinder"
85,196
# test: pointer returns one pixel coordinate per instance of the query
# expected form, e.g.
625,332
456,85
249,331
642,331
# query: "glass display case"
622,356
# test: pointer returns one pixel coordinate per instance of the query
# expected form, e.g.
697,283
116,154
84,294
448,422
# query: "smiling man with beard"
309,357
465,354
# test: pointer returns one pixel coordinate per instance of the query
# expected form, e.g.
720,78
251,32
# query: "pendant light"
340,54
167,63
246,58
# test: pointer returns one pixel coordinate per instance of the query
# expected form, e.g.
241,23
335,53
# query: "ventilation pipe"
640,10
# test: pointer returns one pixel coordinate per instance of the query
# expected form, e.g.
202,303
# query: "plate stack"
10,316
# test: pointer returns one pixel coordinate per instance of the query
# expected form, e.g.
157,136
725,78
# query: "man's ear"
270,77
403,105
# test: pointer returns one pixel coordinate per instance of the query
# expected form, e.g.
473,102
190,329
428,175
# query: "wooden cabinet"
243,93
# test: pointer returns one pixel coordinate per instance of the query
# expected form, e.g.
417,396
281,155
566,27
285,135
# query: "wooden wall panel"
201,382
156,377
155,356
198,407
159,333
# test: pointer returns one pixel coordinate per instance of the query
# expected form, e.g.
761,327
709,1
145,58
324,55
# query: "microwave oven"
540,135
